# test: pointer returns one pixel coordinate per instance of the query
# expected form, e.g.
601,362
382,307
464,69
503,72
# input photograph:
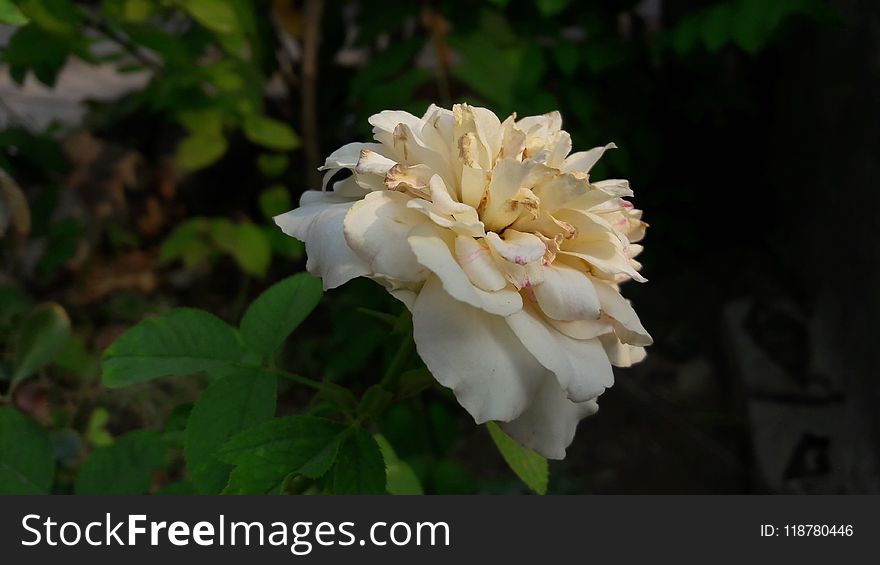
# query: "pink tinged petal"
567,294
583,161
581,366
433,252
376,229
626,322
517,247
549,424
603,255
476,261
475,354
318,222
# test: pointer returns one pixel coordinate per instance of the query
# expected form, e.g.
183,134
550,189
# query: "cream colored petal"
474,184
567,294
581,366
348,155
498,209
558,191
583,161
475,354
434,253
318,222
517,247
385,122
376,229
603,254
582,329
627,324
549,424
472,229
477,262
621,354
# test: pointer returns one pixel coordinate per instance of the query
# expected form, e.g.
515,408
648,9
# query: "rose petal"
549,423
475,354
376,228
318,222
433,252
581,366
567,294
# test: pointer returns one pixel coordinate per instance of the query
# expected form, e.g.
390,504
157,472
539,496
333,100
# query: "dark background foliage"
747,129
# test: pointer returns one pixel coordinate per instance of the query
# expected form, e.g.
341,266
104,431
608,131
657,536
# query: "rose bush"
507,254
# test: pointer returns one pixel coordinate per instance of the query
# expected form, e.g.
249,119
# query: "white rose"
505,252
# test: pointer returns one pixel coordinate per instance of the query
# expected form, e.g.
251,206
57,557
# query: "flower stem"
398,363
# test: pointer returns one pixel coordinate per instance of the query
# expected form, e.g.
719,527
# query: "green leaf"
272,165
270,133
401,477
274,200
278,311
374,400
551,7
359,467
233,403
266,454
181,342
10,14
530,467
199,150
216,15
124,467
27,465
245,242
55,16
42,336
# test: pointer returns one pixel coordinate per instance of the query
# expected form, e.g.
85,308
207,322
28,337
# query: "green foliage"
359,468
181,342
270,133
266,455
26,461
125,467
748,24
278,311
10,14
198,241
528,465
231,404
41,338
401,477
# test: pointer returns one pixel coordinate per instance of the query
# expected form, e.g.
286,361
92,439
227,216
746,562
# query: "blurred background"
145,145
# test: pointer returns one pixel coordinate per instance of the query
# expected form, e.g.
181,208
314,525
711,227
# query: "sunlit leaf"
216,15
10,14
270,133
530,467
401,477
